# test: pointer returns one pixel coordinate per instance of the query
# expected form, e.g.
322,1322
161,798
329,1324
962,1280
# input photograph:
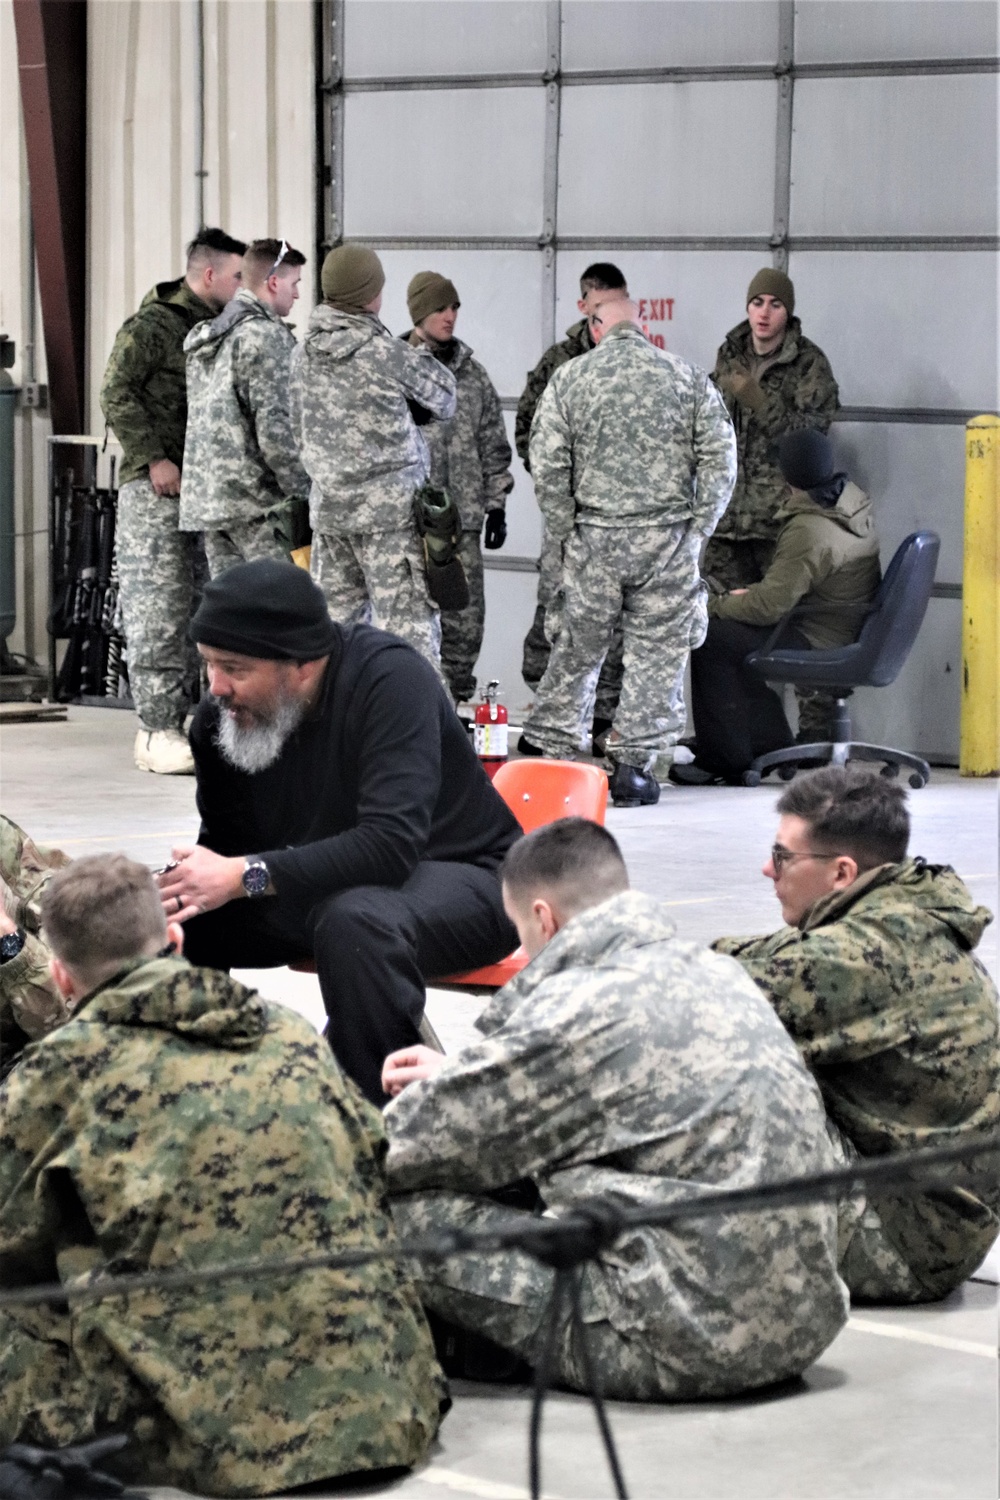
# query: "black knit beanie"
265,609
806,459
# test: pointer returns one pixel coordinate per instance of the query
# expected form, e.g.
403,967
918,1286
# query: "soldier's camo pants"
246,541
538,647
648,575
161,571
378,578
462,629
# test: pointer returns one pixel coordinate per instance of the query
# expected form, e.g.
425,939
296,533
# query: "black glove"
496,529
28,1473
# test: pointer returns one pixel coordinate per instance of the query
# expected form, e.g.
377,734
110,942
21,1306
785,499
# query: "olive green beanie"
429,293
352,276
771,283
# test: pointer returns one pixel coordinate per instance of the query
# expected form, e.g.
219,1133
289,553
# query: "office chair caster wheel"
787,773
751,778
890,772
917,781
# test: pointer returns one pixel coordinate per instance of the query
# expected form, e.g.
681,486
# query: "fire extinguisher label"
491,740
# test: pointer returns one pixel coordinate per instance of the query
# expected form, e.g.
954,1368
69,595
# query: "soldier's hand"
746,389
496,529
408,1065
29,1473
165,477
199,881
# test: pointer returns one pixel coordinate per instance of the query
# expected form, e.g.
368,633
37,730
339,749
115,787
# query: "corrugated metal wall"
508,144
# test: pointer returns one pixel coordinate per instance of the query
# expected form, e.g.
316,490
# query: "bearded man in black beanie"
344,814
825,560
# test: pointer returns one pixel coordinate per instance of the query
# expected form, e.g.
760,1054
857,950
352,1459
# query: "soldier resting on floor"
30,1004
178,1120
875,978
622,1062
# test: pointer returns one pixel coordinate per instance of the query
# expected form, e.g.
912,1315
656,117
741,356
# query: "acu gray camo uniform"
634,460
470,458
350,384
625,1063
242,470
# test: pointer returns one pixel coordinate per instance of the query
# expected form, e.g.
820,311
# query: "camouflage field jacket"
576,342
30,1004
897,1019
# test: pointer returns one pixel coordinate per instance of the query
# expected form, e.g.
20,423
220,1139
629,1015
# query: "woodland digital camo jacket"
178,1120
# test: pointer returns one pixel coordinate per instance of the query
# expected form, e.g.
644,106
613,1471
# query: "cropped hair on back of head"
210,243
602,276
851,810
573,859
101,911
263,257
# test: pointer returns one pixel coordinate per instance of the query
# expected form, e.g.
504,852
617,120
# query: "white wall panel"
683,33
884,156
444,162
920,711
663,159
397,38
501,293
915,475
872,30
524,519
510,607
916,328
688,298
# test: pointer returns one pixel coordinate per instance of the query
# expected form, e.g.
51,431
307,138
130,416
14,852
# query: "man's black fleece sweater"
380,776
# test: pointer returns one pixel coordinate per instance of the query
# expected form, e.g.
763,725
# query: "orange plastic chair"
537,792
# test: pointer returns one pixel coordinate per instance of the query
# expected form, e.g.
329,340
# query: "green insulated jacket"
144,395
178,1120
791,389
240,457
470,454
631,436
576,342
826,561
624,1062
897,1019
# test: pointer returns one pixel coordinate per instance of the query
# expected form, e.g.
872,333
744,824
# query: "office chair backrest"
897,614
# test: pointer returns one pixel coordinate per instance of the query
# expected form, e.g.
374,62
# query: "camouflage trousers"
462,629
378,578
161,571
738,564
649,577
506,1297
538,646
246,541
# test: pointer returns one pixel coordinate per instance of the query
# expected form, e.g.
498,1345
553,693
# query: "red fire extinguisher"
490,730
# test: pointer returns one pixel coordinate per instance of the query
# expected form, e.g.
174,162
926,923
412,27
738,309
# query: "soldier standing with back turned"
144,401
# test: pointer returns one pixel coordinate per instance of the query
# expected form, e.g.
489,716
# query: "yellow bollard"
979,754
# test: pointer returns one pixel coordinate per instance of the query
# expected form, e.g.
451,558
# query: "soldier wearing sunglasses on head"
876,980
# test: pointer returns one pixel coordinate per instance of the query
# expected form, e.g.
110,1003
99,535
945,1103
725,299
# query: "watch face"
11,944
256,879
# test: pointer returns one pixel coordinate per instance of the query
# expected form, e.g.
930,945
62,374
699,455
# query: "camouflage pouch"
439,528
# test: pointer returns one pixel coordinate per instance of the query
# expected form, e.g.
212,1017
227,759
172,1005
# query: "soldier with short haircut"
351,384
178,1120
470,458
144,401
244,486
30,1004
875,978
622,1063
600,282
634,459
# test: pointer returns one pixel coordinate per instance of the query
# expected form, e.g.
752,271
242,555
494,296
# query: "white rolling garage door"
508,144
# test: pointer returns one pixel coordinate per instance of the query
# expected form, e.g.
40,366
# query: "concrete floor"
901,1407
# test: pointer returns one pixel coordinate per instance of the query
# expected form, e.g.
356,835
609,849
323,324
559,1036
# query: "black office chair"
874,660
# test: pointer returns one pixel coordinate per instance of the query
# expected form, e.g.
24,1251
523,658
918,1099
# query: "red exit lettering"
656,309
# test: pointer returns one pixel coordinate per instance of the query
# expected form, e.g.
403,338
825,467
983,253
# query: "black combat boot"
631,787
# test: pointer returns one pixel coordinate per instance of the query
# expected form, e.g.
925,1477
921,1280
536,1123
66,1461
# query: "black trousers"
374,948
736,715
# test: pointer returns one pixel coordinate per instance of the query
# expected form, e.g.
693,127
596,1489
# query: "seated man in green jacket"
826,562
876,980
177,1120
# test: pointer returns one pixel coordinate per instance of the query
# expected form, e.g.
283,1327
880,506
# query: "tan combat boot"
165,751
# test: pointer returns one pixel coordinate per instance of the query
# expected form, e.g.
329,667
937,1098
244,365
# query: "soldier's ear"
63,979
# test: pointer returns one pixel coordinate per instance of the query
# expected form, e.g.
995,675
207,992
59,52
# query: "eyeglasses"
285,247
780,857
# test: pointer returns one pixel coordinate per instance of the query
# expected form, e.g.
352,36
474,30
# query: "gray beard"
255,749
